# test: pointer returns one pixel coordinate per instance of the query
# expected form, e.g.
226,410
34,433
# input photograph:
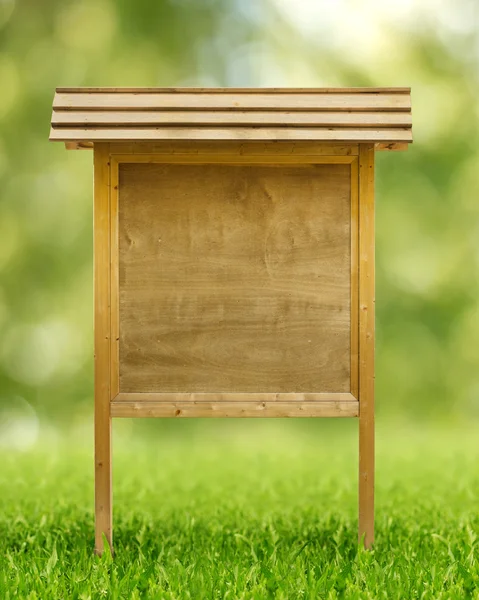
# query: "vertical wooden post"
103,482
366,344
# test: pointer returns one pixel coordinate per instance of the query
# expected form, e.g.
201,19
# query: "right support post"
366,344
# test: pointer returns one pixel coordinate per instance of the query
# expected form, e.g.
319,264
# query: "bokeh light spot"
34,354
19,425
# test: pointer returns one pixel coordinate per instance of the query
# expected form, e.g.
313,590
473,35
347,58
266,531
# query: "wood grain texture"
186,132
391,146
233,101
208,117
135,147
234,279
215,397
79,145
300,160
366,344
252,149
114,282
355,278
235,90
235,409
103,483
382,116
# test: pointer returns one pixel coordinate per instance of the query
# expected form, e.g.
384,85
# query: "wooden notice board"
234,255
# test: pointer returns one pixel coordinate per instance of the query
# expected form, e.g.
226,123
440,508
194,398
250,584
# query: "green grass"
244,510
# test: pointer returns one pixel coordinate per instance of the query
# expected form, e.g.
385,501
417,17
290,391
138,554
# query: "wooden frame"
281,128
233,404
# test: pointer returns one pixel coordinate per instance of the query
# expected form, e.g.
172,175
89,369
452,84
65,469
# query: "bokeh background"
427,198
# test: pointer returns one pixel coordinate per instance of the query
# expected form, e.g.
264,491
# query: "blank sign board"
234,278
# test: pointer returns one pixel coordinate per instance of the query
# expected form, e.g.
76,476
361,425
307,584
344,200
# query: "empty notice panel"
234,278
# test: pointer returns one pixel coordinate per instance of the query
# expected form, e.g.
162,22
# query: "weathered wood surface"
234,279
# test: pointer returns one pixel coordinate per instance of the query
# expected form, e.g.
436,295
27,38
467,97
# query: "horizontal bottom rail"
234,397
275,409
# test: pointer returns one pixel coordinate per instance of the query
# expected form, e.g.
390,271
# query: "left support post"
103,466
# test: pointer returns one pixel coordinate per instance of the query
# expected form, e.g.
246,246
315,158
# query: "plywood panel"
234,278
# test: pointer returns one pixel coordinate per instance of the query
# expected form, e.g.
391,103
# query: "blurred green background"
427,198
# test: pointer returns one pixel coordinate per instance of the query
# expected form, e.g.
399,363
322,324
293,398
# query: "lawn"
250,509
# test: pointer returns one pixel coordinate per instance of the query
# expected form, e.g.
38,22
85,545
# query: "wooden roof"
374,115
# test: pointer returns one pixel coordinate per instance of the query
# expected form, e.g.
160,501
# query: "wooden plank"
271,160
395,147
244,285
233,133
235,90
232,101
103,482
234,409
79,145
237,118
355,278
253,149
366,344
114,278
216,397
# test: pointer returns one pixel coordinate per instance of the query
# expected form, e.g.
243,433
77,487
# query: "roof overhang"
83,116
